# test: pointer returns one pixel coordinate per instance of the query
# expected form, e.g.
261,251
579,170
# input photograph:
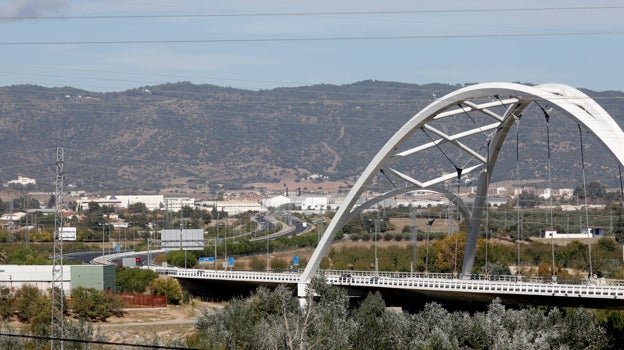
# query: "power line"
337,38
335,13
100,342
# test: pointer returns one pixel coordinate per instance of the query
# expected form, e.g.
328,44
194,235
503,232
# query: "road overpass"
408,289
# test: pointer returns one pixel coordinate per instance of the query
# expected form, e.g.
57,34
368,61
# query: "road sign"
230,262
296,260
206,260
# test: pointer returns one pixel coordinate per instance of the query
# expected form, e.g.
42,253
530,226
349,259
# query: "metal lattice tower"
58,319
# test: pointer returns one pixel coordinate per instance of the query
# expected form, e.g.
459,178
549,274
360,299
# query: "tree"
51,201
528,200
7,307
92,304
167,286
138,208
82,332
32,306
580,331
371,331
449,252
618,230
134,280
595,190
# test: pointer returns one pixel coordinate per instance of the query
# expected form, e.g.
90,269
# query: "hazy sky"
101,45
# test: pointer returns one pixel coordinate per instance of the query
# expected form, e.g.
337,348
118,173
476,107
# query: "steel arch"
481,99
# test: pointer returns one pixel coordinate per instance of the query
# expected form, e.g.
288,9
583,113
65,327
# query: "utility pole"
414,239
58,320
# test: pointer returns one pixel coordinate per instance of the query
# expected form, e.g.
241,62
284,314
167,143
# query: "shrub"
257,264
92,304
169,287
134,279
279,264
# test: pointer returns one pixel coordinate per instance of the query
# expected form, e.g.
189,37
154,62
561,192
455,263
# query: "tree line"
274,319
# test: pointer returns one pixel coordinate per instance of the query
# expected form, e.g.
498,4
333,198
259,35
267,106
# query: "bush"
133,279
279,264
7,308
257,264
92,304
169,287
32,305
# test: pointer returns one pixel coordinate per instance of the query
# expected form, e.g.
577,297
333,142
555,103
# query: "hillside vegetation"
210,137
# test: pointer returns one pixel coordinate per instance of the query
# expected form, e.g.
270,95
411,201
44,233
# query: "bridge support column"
302,294
302,289
474,223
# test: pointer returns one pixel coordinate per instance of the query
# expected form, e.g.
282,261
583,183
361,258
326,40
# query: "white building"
314,203
82,203
17,216
231,207
275,202
175,204
586,232
22,180
546,194
16,276
152,202
501,191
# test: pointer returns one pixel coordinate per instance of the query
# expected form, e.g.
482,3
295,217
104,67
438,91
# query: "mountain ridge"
182,134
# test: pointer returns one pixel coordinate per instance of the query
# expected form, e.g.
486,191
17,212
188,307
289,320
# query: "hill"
210,138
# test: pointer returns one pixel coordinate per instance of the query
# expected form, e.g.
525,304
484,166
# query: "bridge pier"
302,289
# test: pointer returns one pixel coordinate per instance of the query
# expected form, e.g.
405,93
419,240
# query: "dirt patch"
143,326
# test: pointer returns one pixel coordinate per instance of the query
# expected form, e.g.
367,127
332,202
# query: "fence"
138,300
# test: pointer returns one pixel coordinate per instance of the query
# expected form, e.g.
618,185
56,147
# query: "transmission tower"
58,319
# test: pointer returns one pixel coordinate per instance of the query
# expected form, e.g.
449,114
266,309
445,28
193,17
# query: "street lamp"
266,232
376,223
225,262
429,223
215,248
148,248
376,258
103,240
414,243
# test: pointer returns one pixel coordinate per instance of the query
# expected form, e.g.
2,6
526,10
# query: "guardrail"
606,289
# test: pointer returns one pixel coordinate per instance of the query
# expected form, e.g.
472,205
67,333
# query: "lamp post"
429,223
376,258
181,247
103,240
414,243
215,248
376,227
266,232
225,261
148,249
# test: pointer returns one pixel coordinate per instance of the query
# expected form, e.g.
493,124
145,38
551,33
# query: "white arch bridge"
467,128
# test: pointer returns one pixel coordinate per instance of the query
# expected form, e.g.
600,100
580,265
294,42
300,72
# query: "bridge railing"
264,276
388,278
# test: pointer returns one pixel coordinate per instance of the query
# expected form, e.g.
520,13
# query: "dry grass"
142,326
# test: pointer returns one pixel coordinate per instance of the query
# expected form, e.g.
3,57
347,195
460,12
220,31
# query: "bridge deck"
502,286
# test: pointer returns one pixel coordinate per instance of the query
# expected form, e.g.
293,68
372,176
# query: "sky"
114,45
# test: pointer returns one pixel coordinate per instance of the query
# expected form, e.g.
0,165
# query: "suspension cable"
591,272
550,188
519,193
